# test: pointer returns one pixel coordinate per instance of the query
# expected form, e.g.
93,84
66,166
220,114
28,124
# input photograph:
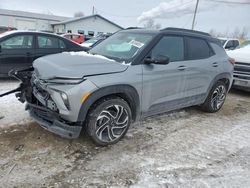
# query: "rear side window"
170,46
47,42
197,49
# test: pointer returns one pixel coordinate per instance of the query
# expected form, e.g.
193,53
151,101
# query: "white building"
88,25
28,21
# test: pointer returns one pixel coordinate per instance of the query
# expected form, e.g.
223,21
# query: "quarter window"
197,49
16,42
170,46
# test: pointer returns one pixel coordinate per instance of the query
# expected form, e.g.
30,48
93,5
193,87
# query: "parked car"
131,75
78,38
242,66
229,44
4,29
18,49
95,40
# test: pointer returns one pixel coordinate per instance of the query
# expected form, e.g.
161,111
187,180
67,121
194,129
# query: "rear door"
46,44
201,69
163,84
17,52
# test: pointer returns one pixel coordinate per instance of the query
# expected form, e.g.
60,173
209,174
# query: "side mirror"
159,60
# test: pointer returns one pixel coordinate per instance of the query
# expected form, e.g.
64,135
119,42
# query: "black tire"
216,98
108,121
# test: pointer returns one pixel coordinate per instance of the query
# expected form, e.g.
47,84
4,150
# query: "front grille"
43,114
242,71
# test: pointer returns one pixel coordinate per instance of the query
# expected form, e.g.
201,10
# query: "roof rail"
184,30
133,28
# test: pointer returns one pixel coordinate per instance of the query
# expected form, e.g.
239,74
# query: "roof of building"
84,18
5,12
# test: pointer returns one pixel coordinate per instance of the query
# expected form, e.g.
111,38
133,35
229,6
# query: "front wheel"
216,98
108,121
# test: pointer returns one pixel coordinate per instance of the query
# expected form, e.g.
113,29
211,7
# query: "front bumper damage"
45,117
51,121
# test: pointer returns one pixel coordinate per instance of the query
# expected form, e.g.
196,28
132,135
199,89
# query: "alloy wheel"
111,123
218,97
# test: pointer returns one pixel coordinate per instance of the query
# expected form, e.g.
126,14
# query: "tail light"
231,60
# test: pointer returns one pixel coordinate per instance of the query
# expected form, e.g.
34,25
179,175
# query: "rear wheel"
108,121
216,98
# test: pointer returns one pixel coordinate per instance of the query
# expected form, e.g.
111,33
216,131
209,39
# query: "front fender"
127,92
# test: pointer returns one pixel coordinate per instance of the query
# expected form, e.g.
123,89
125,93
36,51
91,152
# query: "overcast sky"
222,17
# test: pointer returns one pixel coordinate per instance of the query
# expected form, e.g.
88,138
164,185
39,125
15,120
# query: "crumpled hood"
241,54
75,65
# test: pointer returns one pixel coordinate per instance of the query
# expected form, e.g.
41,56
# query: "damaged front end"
24,91
40,105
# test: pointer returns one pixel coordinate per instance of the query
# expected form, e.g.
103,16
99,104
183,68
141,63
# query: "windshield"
91,41
122,46
223,41
246,43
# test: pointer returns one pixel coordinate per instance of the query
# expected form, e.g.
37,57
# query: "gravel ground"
186,148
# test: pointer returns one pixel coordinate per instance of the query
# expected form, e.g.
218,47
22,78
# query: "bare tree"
212,32
244,33
236,32
150,24
78,14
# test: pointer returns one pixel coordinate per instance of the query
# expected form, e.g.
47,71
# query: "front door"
163,84
16,52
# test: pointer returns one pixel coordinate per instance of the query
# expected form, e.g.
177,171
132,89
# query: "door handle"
28,54
182,67
215,64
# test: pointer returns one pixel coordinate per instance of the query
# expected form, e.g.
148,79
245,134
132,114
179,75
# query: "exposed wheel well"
226,81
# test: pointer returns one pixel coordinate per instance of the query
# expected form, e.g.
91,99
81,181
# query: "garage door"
25,24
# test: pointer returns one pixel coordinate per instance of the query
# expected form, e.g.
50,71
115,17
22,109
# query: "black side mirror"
159,60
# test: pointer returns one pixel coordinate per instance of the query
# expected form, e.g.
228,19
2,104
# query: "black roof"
172,30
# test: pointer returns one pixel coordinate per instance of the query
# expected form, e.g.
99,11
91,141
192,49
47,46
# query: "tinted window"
170,46
230,44
47,42
236,43
197,49
61,44
20,41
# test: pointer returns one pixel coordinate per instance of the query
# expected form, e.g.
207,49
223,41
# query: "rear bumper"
50,121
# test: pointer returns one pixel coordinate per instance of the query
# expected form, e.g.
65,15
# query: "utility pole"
93,10
195,11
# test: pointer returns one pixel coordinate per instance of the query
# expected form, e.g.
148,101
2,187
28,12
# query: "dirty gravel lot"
185,148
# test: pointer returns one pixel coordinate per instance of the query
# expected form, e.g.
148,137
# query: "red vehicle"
78,38
4,29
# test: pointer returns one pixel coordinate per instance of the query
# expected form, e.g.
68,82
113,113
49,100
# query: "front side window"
122,46
17,42
197,49
47,42
171,47
230,44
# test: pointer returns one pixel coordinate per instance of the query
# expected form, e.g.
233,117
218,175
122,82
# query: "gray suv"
133,74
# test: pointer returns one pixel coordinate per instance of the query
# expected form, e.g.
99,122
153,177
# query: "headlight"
65,99
64,80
